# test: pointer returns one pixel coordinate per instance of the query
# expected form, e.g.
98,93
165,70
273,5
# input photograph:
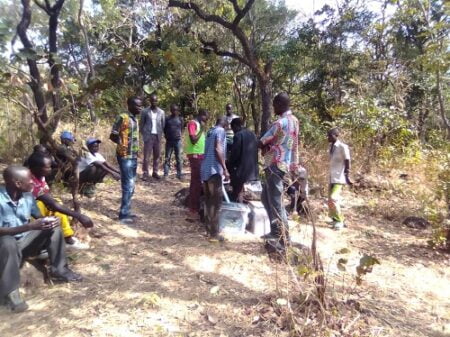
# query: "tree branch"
241,13
200,13
226,53
236,7
42,6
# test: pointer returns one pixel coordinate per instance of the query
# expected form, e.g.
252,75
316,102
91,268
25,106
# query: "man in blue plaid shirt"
212,171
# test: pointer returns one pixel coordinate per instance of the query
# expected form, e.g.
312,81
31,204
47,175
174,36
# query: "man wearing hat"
66,154
93,168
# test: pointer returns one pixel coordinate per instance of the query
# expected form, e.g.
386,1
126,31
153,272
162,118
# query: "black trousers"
213,202
92,174
13,252
238,186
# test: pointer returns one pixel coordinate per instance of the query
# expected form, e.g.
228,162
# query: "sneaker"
127,221
216,238
156,176
15,302
88,190
180,177
269,236
66,276
338,225
144,177
74,243
43,255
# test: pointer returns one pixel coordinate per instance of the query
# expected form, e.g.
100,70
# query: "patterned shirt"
127,129
40,186
211,164
282,139
15,214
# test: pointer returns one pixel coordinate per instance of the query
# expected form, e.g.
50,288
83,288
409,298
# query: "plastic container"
252,190
259,223
233,217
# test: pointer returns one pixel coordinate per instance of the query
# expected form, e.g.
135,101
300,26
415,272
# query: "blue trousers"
173,147
272,198
127,176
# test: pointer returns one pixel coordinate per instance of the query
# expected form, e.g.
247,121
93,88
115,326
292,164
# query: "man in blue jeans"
125,133
280,150
172,131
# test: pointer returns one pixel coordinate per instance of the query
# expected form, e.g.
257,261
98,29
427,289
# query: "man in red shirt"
40,167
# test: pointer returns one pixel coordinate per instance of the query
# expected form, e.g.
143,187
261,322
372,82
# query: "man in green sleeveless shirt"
195,149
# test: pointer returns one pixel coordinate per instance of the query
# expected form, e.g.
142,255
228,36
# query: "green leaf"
148,89
343,251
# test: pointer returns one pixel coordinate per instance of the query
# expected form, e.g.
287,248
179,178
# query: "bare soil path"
161,277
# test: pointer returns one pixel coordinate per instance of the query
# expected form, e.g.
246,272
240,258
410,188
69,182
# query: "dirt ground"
161,277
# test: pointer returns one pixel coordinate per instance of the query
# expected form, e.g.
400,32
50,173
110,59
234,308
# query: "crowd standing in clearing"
34,223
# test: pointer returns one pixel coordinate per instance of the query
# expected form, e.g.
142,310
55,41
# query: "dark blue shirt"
173,128
15,214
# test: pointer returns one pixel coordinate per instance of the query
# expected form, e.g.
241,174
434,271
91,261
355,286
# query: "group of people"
33,222
226,152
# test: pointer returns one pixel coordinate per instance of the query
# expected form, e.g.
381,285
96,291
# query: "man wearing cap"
93,167
66,154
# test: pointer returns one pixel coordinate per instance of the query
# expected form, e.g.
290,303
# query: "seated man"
243,161
65,155
43,150
93,168
298,193
40,167
21,238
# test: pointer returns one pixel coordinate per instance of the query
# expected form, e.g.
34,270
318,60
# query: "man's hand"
116,176
347,179
227,175
85,221
44,223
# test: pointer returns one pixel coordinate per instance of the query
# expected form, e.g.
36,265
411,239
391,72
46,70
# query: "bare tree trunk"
265,90
36,82
240,99
441,103
53,13
256,116
91,72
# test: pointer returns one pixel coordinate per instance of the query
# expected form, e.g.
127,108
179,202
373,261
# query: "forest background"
379,70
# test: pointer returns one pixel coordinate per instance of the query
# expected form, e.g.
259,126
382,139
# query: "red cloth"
40,186
192,128
195,187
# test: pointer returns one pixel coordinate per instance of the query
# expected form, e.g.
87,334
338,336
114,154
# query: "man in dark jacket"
172,131
243,160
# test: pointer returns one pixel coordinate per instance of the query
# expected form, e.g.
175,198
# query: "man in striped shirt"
213,171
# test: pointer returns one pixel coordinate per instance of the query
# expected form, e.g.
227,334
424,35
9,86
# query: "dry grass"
162,278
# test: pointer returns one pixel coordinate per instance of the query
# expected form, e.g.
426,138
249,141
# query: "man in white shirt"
339,176
93,168
152,127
